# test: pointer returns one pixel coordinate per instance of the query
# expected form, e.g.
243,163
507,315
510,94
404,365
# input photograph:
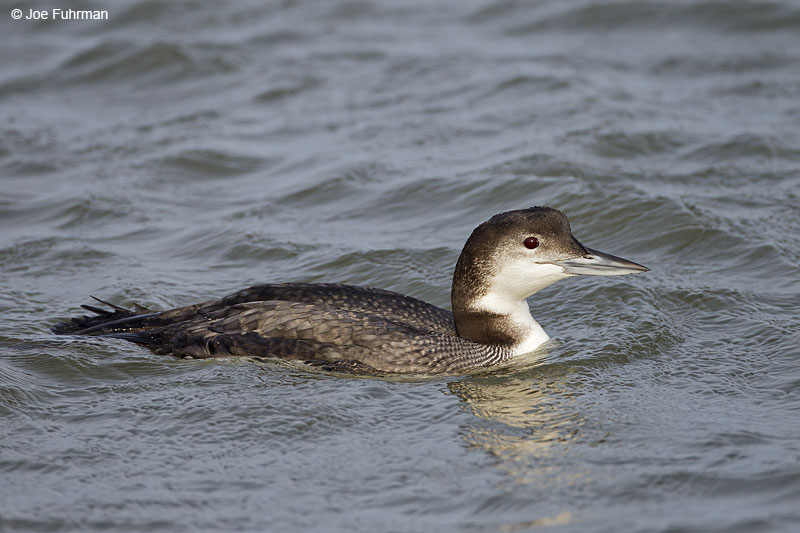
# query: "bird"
365,330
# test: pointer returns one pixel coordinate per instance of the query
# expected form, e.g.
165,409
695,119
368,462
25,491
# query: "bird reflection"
526,418
528,422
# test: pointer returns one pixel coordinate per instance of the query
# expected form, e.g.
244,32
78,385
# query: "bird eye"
531,243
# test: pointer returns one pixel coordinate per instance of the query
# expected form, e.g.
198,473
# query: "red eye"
531,243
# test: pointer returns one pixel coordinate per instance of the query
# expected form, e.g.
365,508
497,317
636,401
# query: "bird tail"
103,320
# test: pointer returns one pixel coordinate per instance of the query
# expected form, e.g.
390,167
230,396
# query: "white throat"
508,293
519,313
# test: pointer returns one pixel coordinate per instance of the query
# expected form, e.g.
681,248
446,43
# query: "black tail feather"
88,325
112,306
96,310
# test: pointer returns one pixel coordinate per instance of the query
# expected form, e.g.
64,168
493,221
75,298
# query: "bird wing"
301,331
376,302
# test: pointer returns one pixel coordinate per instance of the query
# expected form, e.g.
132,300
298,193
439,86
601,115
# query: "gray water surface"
179,151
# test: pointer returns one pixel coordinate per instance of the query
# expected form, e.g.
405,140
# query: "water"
180,151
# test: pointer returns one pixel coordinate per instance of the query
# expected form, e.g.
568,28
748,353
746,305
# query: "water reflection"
529,423
521,417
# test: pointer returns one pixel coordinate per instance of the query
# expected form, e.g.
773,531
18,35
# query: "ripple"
745,146
691,66
636,144
158,62
628,15
288,88
193,164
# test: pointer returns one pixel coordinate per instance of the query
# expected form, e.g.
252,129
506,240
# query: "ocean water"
179,151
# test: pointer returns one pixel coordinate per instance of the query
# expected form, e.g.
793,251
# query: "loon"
364,330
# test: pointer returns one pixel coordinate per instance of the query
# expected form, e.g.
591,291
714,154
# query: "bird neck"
485,313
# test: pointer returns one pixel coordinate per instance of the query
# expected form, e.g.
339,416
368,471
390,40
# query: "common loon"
364,330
